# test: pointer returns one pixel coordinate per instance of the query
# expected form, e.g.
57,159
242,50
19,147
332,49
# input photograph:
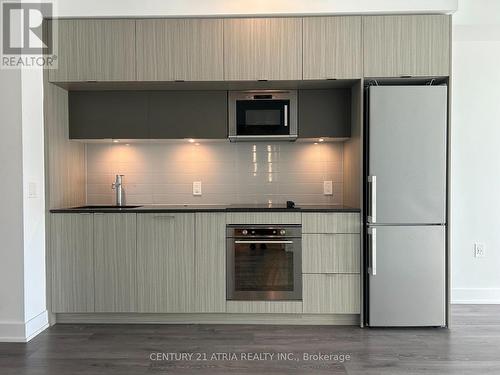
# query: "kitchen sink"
104,207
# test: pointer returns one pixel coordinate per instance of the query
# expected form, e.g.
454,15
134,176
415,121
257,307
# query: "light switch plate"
479,250
327,188
32,190
197,188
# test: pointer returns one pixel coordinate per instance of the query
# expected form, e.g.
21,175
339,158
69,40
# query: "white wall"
35,312
145,8
475,151
11,214
22,230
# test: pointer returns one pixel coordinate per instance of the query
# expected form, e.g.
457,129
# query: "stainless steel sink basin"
90,207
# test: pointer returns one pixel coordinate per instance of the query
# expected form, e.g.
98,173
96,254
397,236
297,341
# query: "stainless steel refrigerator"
406,205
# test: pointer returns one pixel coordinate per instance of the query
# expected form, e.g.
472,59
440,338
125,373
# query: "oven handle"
261,241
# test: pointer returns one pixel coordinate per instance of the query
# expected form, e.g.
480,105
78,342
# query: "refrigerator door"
407,154
408,285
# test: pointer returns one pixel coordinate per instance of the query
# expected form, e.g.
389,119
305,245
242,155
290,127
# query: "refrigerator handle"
372,233
372,214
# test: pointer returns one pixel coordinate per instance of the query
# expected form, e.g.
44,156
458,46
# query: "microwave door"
258,115
262,117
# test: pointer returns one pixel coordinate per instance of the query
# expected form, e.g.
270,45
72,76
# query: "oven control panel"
240,231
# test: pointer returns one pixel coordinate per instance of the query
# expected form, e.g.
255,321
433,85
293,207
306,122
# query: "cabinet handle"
372,215
164,217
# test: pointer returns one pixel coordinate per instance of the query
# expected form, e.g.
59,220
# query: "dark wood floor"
472,346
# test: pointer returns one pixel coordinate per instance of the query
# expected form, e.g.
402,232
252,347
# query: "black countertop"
208,208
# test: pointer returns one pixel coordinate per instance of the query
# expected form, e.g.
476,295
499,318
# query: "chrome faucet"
118,187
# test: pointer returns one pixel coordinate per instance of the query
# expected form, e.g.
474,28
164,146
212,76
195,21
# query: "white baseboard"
36,325
19,331
12,331
475,296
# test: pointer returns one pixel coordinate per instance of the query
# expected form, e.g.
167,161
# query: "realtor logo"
25,44
22,28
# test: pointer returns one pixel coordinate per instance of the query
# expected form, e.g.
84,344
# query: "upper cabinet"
332,47
180,49
251,49
94,50
413,45
263,49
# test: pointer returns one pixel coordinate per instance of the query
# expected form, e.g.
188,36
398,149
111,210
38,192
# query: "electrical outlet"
479,250
197,188
327,188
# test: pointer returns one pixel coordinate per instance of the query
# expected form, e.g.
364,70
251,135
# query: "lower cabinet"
175,263
72,265
210,262
165,262
115,270
331,293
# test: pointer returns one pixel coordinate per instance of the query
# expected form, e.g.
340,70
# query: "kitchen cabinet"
331,253
263,218
180,49
187,114
332,47
262,49
210,262
411,45
147,114
72,263
108,114
165,262
323,222
331,293
94,50
324,113
115,254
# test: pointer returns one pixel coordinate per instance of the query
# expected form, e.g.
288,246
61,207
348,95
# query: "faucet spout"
119,192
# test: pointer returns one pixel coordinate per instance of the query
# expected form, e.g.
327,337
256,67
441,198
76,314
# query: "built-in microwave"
263,114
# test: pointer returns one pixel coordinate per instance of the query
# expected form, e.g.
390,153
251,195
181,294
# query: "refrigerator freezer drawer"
408,288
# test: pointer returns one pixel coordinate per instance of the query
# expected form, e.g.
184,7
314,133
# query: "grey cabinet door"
332,47
180,49
331,293
210,262
115,254
108,114
262,49
91,49
408,288
187,114
72,263
324,113
414,45
165,263
148,114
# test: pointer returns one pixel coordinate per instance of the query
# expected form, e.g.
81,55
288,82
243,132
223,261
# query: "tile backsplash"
231,173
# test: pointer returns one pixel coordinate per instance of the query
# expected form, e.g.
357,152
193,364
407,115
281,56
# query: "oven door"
264,269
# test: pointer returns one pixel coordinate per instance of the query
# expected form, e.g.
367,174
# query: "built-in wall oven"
264,262
263,114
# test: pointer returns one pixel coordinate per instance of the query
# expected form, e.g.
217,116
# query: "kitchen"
232,184
228,173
